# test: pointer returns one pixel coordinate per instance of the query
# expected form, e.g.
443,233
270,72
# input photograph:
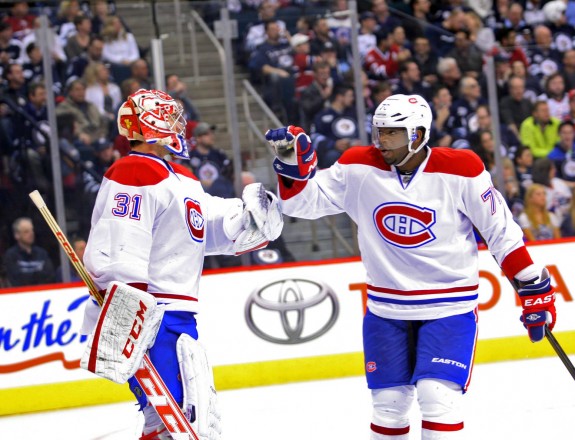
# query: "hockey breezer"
150,381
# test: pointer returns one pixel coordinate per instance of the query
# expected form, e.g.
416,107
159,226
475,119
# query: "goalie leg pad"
126,328
200,398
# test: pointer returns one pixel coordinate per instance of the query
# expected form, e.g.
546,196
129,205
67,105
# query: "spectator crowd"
299,55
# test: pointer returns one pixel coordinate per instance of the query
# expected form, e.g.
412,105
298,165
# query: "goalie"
152,225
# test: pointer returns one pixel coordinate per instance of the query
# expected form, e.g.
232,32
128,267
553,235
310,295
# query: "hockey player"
416,209
152,224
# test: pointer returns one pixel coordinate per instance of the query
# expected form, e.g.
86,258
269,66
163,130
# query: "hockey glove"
296,158
538,301
264,209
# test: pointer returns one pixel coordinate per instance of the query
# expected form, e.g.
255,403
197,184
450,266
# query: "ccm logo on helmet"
194,219
135,332
404,225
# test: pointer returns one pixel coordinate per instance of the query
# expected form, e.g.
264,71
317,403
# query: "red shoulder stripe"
137,171
463,163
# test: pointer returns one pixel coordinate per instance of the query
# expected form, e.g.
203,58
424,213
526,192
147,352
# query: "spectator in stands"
339,24
536,221
416,25
315,97
379,91
14,84
79,246
78,42
533,13
511,189
366,39
69,9
410,81
462,112
568,225
440,106
515,108
449,75
507,46
322,37
103,156
563,154
36,152
20,20
102,92
27,264
559,194
426,59
33,69
78,64
210,164
120,46
384,18
540,131
140,71
523,161
303,62
54,45
272,63
484,146
556,96
10,49
177,89
532,86
256,33
468,56
571,115
335,128
101,10
382,62
90,125
443,36
484,121
568,69
543,58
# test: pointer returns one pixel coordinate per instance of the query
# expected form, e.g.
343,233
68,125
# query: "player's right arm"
303,192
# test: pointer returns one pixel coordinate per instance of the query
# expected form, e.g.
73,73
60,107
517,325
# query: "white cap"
298,39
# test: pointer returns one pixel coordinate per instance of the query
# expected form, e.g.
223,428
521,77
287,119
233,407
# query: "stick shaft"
150,381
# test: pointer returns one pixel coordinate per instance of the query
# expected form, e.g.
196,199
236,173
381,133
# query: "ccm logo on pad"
135,332
404,225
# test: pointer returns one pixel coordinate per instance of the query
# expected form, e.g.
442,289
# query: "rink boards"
260,326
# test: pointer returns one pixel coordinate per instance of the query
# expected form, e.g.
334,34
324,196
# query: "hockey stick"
552,340
150,381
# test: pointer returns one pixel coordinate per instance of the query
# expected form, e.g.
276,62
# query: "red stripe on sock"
433,426
389,431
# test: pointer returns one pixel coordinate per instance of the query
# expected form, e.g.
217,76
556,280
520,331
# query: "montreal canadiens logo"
194,220
404,225
371,367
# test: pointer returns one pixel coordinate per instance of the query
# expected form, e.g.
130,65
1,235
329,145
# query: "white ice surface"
524,400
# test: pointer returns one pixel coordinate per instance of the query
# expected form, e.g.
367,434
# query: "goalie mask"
403,111
153,116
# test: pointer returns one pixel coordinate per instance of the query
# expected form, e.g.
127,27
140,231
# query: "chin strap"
410,153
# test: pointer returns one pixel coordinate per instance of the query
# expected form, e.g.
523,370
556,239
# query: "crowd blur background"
298,56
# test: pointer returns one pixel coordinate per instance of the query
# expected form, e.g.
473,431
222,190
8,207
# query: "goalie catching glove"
296,158
538,301
255,222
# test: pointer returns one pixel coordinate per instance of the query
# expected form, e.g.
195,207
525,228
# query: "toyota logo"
291,311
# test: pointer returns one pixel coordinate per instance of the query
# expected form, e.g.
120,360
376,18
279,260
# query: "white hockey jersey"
416,240
151,227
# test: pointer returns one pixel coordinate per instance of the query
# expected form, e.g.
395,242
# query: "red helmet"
153,116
